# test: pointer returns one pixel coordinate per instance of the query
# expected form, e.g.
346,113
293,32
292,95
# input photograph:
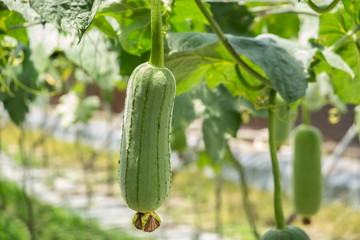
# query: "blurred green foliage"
19,212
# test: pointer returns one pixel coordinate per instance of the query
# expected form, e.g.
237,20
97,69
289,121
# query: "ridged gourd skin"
283,123
144,167
288,233
307,177
178,140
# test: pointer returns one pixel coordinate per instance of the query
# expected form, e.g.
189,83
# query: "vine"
279,215
245,83
229,48
322,9
305,113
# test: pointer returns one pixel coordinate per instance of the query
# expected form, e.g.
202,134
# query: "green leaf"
346,87
17,105
321,93
103,25
285,72
23,8
314,97
189,41
303,54
220,113
221,120
9,19
232,17
333,26
69,15
286,29
134,21
189,68
72,109
135,35
97,61
86,108
22,78
129,62
353,8
336,61
200,52
186,16
42,47
203,160
184,111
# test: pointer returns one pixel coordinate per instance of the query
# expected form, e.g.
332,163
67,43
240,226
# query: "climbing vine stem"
229,48
245,83
322,9
279,215
305,113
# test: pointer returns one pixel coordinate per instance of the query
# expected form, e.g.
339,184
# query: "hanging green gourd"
178,140
282,231
283,122
144,166
287,233
307,177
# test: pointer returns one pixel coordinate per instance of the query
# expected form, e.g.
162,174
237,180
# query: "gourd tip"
147,222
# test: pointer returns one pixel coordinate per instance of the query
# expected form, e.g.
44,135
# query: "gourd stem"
279,215
229,48
245,83
322,9
305,113
157,42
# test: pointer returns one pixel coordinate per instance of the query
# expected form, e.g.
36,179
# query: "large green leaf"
104,25
9,20
346,87
334,26
336,61
233,18
353,8
321,93
23,8
129,62
275,24
184,111
189,41
17,105
73,110
43,42
133,18
221,120
22,78
186,16
219,110
190,68
94,57
69,15
193,54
